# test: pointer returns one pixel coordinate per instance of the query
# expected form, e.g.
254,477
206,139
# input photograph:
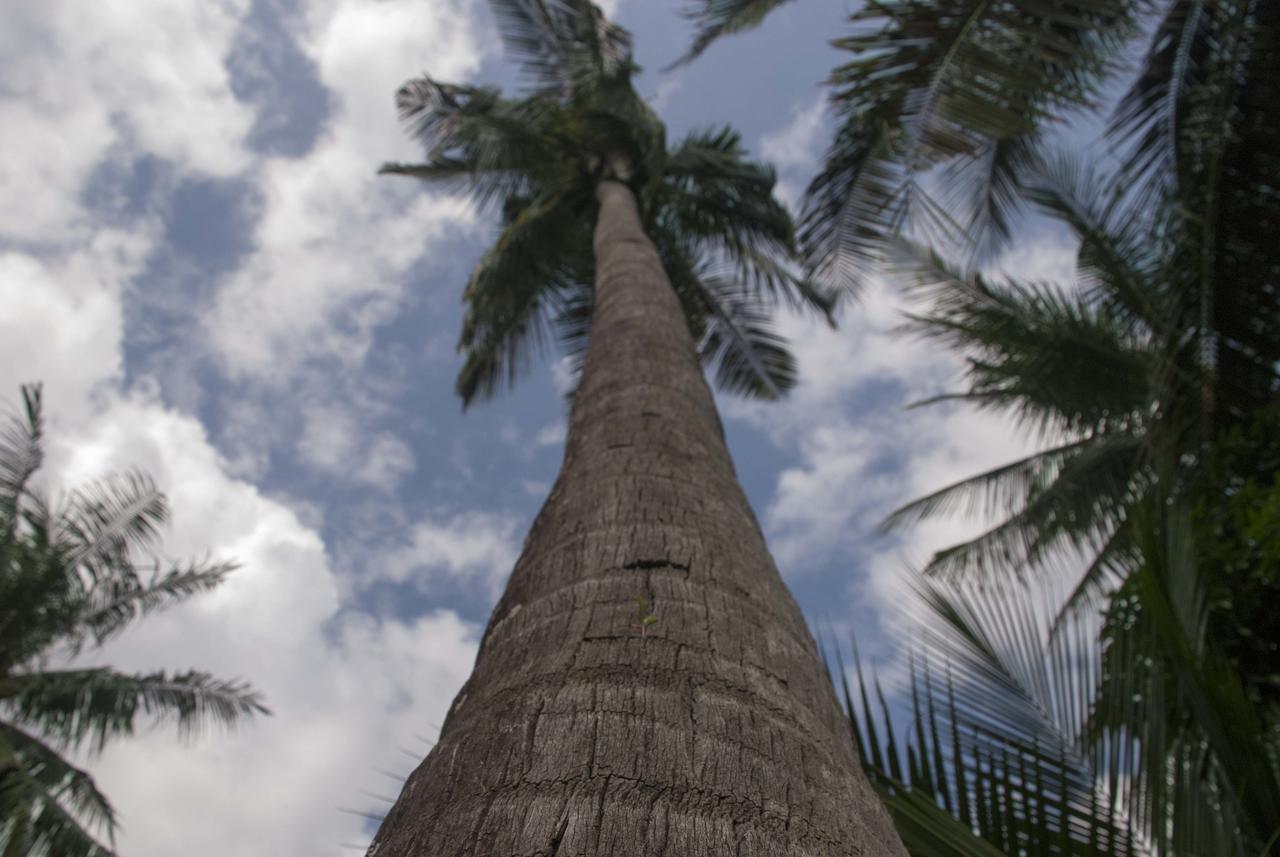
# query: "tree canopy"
727,244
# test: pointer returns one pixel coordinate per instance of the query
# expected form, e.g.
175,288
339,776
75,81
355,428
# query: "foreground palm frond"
1128,734
70,577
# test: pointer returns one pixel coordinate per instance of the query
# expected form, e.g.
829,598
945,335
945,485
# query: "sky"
200,264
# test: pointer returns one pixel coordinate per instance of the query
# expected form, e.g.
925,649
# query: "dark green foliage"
1032,737
1236,520
70,578
727,243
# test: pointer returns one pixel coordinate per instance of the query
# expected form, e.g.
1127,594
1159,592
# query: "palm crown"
70,579
723,238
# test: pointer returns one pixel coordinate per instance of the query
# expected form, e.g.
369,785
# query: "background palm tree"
646,683
70,579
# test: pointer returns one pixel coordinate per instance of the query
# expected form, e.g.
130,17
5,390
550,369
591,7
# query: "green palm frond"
41,767
536,265
96,705
714,19
105,520
70,576
1002,490
116,602
988,189
20,453
474,138
738,339
562,45
860,195
722,205
1120,263
1057,362
1205,761
1170,121
38,801
1078,509
970,84
993,760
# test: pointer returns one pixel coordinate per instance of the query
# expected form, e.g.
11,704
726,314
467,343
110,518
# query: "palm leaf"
98,704
105,520
534,266
972,83
1010,772
39,765
20,453
116,602
474,137
562,44
716,18
750,358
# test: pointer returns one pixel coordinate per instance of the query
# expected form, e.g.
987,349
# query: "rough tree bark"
712,729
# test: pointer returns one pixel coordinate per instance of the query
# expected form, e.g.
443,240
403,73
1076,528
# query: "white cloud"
333,442
335,240
793,149
118,76
796,143
465,547
552,435
861,454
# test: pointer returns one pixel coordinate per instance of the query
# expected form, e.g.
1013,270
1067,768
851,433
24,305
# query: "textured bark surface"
711,730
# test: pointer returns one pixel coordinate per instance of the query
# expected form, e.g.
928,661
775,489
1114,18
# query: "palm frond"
1148,123
475,138
1080,507
562,44
994,761
1057,363
988,188
1205,763
41,827
750,358
41,766
722,204
971,82
105,520
1119,263
1001,490
859,198
20,452
115,602
714,19
535,264
96,705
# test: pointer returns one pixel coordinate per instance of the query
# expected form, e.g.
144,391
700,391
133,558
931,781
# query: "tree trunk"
646,686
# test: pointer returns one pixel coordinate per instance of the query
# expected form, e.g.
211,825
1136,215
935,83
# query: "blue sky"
198,261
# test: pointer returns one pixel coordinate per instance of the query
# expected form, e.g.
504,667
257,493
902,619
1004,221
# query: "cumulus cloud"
118,76
793,149
334,443
335,241
470,548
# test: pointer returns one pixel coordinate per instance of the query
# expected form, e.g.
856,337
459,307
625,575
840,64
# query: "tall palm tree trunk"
646,686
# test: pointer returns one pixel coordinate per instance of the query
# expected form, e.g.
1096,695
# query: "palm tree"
1174,333
69,581
646,684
